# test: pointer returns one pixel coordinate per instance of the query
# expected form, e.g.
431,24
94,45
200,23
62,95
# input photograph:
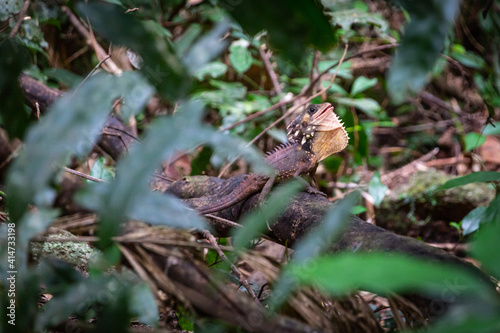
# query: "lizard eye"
311,109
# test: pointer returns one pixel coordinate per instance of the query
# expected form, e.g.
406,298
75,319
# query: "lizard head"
320,129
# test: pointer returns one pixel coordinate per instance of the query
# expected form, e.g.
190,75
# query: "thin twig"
75,21
272,74
309,87
82,175
355,55
226,221
260,113
234,269
92,72
22,14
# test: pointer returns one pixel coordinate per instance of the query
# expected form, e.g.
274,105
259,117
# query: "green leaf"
473,316
240,56
63,76
292,25
184,41
376,189
113,290
71,126
469,59
101,171
164,209
367,105
423,40
474,177
129,194
473,140
10,8
31,224
257,222
486,247
346,18
492,129
383,274
344,70
13,59
213,70
361,84
471,221
358,210
206,48
161,65
143,304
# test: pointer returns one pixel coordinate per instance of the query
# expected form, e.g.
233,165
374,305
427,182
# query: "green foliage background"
188,71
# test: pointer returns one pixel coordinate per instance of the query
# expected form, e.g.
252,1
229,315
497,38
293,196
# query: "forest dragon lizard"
314,135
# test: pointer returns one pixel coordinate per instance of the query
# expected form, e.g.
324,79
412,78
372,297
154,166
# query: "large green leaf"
423,40
385,273
328,231
129,194
71,126
257,222
14,116
315,242
486,247
103,292
474,177
206,48
161,65
292,25
361,84
472,316
471,221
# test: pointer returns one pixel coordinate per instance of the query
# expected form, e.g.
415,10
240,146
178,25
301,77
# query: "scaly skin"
314,135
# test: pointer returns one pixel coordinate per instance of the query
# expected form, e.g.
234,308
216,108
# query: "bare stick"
309,87
82,175
355,55
272,75
260,113
91,72
225,221
101,54
234,269
22,14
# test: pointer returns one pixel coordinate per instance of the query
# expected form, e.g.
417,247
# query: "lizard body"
312,136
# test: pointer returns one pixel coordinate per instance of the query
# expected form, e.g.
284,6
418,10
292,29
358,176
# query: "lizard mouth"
325,111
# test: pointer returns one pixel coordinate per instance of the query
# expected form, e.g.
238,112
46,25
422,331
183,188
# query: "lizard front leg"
266,189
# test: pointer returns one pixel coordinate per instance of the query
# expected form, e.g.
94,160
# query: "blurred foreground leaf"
71,126
385,273
474,177
161,65
129,195
486,246
302,20
257,222
423,40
